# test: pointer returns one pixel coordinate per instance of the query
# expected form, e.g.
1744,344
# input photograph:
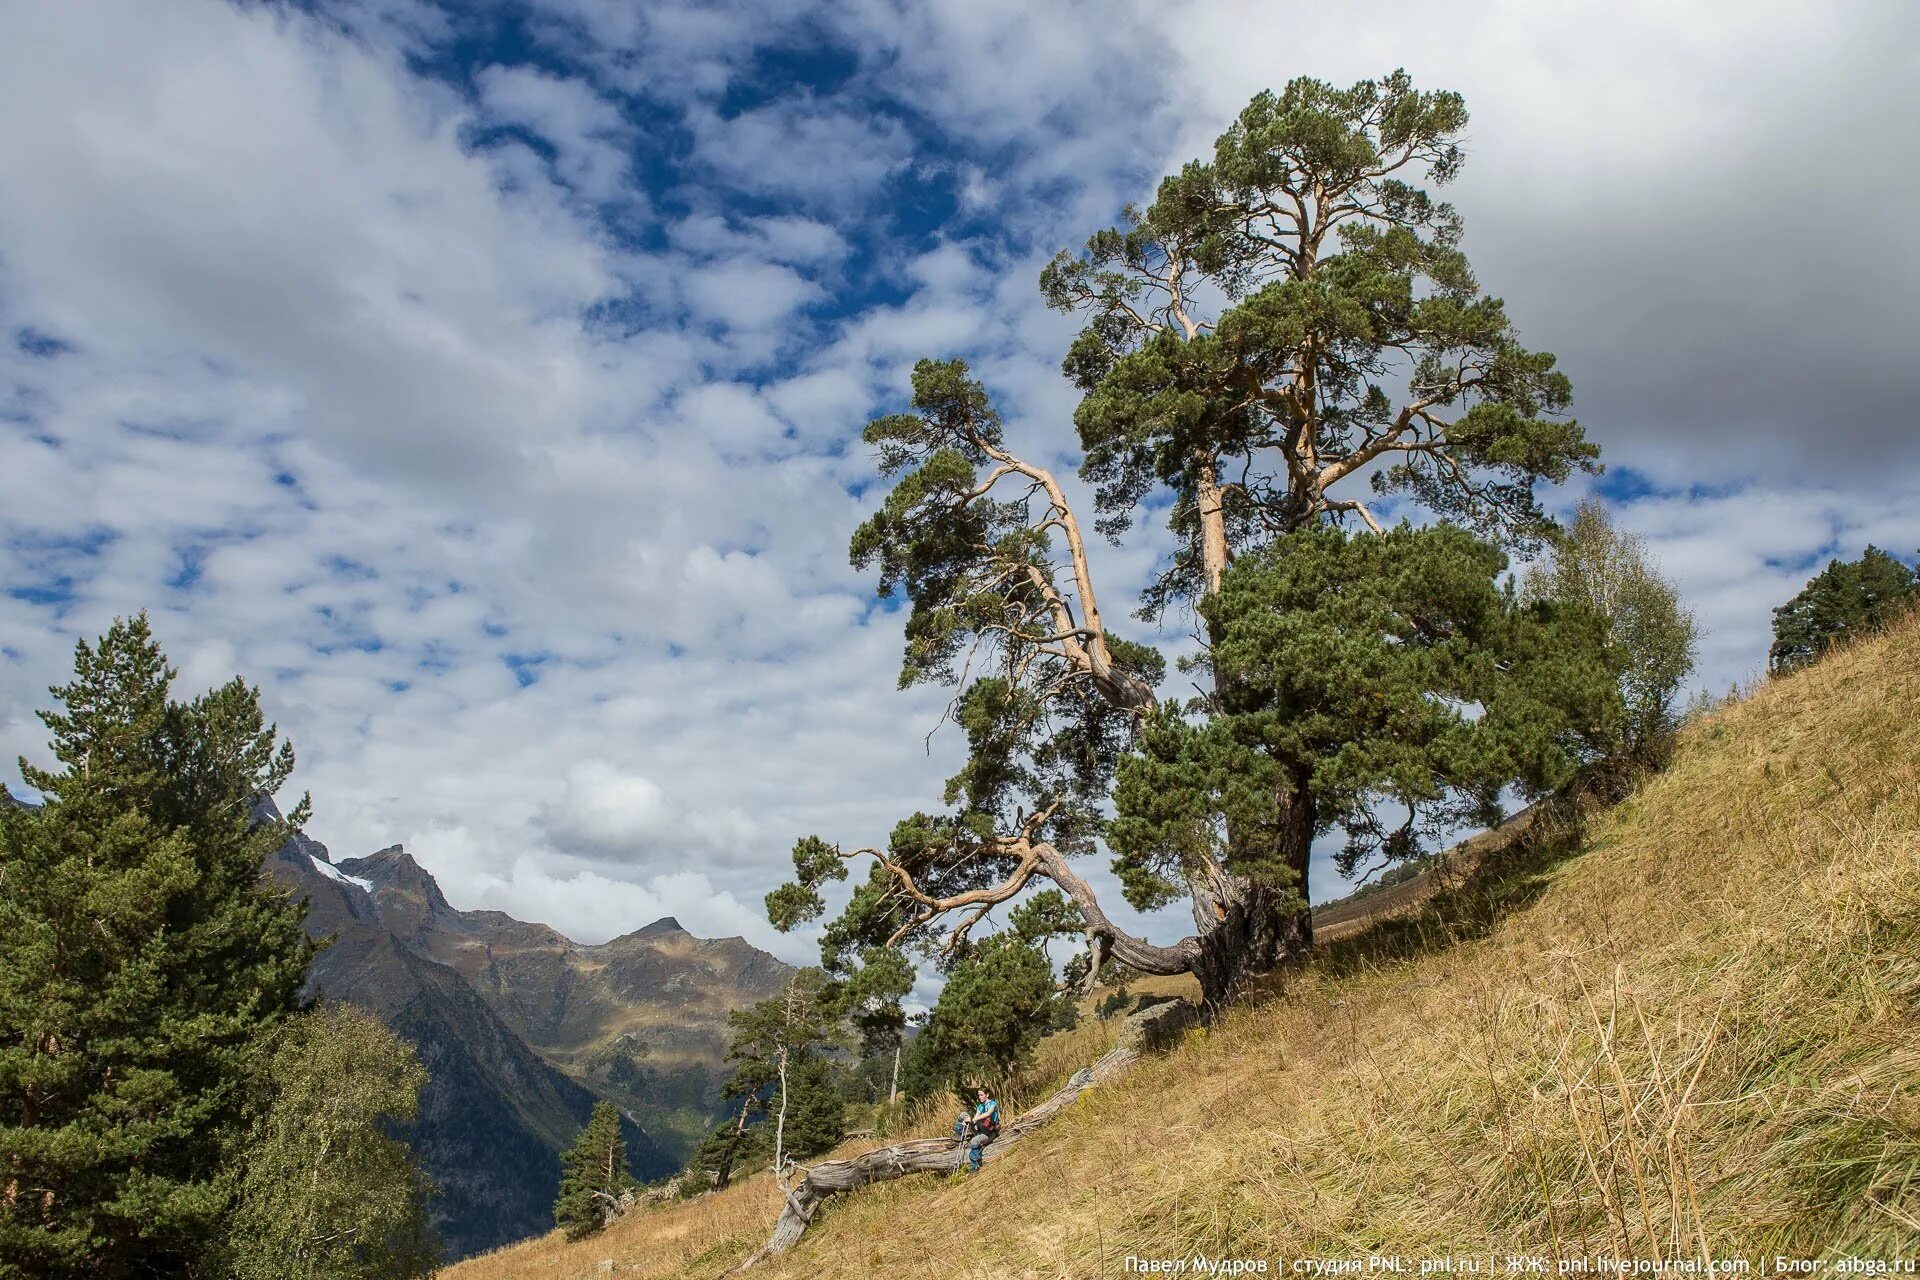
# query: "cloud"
587,131
605,812
821,156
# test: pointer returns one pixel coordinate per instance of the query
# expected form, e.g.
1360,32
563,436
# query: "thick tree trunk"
1262,929
1150,1028
1249,927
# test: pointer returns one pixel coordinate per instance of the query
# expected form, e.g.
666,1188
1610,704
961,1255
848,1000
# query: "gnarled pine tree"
1287,339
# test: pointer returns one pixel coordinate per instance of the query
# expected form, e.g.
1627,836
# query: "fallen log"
1149,1028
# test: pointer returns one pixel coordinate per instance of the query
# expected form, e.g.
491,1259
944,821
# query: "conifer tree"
999,999
816,1117
143,963
325,1192
1289,338
593,1175
1848,598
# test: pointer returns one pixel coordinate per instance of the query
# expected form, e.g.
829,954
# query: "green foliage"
801,1018
1392,677
788,1034
144,963
1337,271
816,1108
325,1192
983,577
999,999
1045,915
593,1175
869,996
1846,599
731,1145
1652,637
774,1042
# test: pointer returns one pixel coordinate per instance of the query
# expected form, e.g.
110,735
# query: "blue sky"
485,381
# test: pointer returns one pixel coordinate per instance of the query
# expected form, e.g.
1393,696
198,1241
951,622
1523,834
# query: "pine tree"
326,1193
1389,677
1848,598
773,1036
998,1001
733,1143
593,1175
143,964
816,1108
1286,339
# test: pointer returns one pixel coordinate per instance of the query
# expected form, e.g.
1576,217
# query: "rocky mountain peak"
394,869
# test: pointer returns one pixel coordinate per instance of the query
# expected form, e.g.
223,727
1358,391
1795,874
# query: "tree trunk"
780,1126
1249,927
1152,1027
1262,929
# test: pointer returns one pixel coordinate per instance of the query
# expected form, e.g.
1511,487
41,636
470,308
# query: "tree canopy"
1846,599
326,1191
1288,339
1651,635
776,1051
1387,677
999,999
593,1174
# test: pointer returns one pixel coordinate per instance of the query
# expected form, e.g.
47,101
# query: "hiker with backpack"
979,1128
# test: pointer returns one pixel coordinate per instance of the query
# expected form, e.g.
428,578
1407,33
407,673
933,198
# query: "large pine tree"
1289,340
143,962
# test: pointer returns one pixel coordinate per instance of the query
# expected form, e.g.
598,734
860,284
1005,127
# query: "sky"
484,381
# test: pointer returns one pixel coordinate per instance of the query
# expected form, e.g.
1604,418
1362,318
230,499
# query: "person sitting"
979,1128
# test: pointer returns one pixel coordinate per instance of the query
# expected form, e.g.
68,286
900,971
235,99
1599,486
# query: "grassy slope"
1700,1034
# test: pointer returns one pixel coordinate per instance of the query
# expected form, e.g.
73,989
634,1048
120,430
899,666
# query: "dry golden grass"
1687,1030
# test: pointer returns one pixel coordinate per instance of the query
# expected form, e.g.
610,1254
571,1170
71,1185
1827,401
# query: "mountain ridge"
522,1029
640,1018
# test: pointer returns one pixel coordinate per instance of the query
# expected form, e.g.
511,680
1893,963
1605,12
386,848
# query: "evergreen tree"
1387,676
593,1175
1653,638
1848,598
734,1143
772,1038
1288,337
144,962
325,1192
999,999
816,1107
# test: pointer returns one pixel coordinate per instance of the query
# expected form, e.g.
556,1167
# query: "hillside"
1685,1027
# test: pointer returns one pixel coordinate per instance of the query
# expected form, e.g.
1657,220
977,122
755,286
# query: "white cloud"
586,129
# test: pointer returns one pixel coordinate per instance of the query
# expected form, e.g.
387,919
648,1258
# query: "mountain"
494,1115
641,1019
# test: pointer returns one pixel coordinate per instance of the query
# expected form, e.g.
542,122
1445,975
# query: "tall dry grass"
1687,1027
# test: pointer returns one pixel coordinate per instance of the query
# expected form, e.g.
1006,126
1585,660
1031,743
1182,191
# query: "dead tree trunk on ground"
1152,1027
